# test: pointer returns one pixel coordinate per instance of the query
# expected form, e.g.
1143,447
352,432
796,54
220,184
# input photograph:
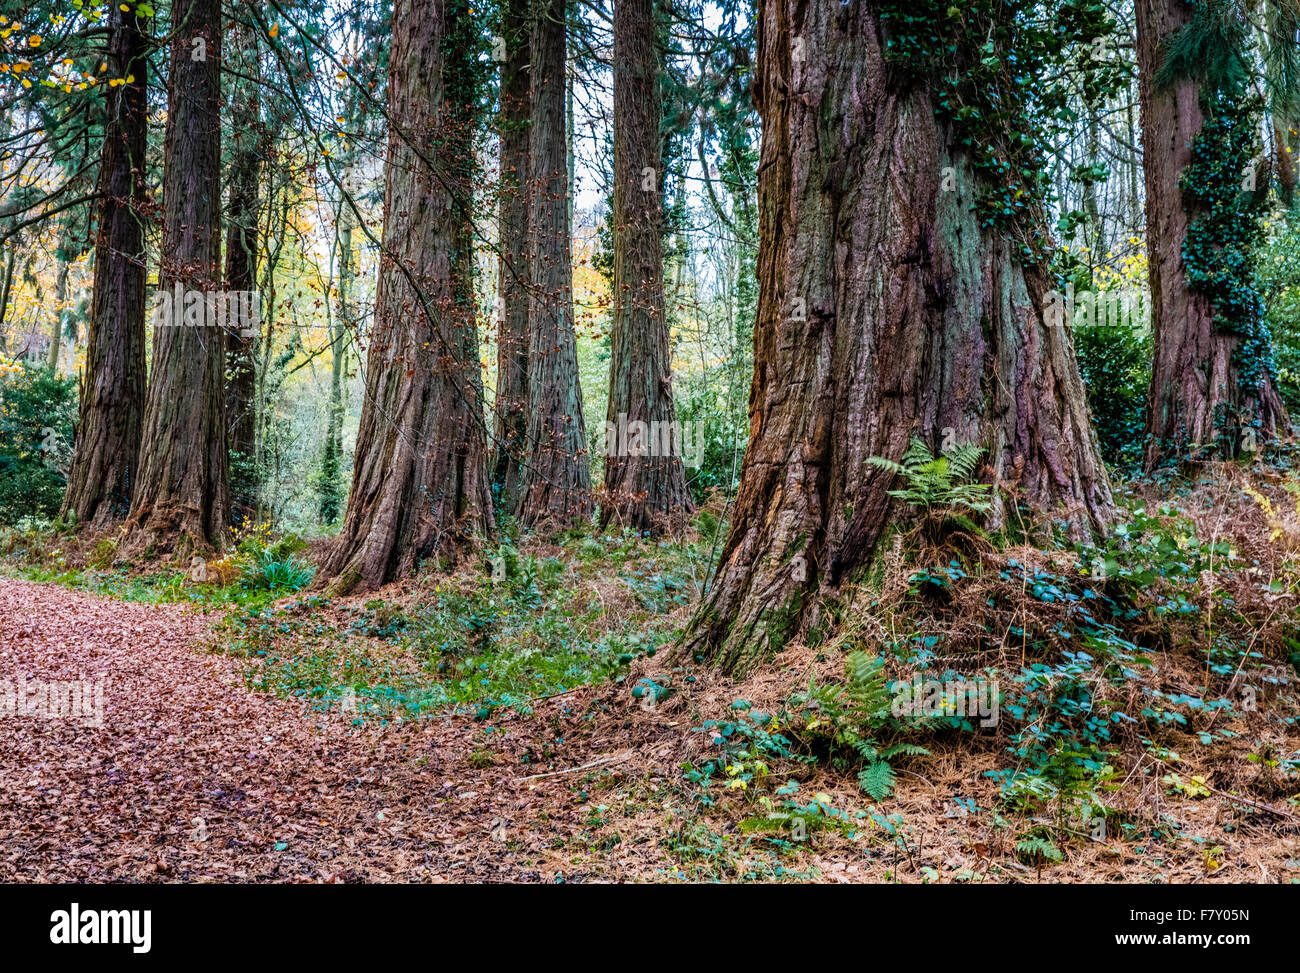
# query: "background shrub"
37,410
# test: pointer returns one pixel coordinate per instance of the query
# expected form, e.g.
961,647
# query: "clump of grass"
272,574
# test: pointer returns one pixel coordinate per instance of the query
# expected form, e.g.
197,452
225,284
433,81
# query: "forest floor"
192,777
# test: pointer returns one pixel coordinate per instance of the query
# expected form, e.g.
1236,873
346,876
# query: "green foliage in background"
1278,271
1115,365
37,410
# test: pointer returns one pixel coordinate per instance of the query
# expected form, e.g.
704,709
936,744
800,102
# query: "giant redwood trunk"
645,485
884,312
1198,403
556,482
419,483
241,272
511,404
103,470
182,492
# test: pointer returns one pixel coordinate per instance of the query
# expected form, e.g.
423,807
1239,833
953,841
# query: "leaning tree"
419,483
903,293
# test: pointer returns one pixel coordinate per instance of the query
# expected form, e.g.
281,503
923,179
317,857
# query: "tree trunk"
1134,167
7,283
1197,404
339,333
644,481
241,273
9,245
885,312
1090,203
1285,143
556,483
102,476
511,404
60,297
182,493
419,483
280,196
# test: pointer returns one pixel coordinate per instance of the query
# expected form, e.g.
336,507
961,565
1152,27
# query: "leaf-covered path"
192,778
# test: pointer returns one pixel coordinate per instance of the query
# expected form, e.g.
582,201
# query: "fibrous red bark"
555,488
182,492
645,485
885,312
419,483
103,471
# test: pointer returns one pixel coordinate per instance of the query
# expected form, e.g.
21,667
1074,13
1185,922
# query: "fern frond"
964,459
1034,850
877,780
867,750
918,453
887,464
903,750
865,687
968,525
939,481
